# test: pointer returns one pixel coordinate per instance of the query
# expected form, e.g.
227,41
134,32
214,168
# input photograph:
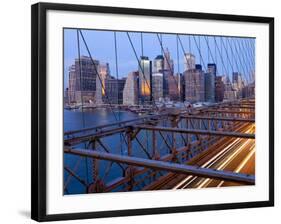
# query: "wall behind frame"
15,109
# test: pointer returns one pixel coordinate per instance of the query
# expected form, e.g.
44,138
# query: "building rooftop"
159,57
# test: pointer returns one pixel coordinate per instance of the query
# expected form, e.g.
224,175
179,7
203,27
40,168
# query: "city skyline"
211,51
167,104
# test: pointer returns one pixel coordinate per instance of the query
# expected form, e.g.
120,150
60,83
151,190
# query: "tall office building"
188,61
145,88
168,62
100,85
104,73
114,90
230,94
209,87
248,90
173,86
237,83
237,80
194,84
182,87
157,86
210,83
158,64
212,68
71,84
166,75
82,80
219,89
130,92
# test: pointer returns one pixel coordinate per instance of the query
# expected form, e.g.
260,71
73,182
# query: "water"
83,167
74,120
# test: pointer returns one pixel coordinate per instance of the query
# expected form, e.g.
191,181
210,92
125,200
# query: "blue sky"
102,48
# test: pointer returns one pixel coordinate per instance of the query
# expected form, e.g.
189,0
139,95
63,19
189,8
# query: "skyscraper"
168,62
188,61
210,83
71,84
158,64
194,84
157,86
130,92
104,73
219,89
182,87
82,79
212,68
237,80
145,72
100,85
173,86
229,93
114,90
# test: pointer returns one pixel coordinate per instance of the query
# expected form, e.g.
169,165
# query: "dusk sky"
102,48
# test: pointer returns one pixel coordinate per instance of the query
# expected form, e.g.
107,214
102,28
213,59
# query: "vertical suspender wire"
247,46
220,54
80,80
117,76
160,46
82,103
227,56
232,53
244,58
178,62
240,62
229,65
189,43
252,47
226,67
139,64
232,58
216,61
220,50
251,58
98,75
208,49
117,72
199,44
248,56
214,58
150,84
179,81
252,55
141,44
200,54
141,53
241,67
100,80
165,58
183,50
169,65
248,70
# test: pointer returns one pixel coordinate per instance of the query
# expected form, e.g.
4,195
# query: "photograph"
147,111
142,111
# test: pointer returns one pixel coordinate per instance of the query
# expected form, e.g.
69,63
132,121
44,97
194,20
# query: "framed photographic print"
139,111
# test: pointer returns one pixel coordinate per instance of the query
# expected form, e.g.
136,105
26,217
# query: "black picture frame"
38,109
